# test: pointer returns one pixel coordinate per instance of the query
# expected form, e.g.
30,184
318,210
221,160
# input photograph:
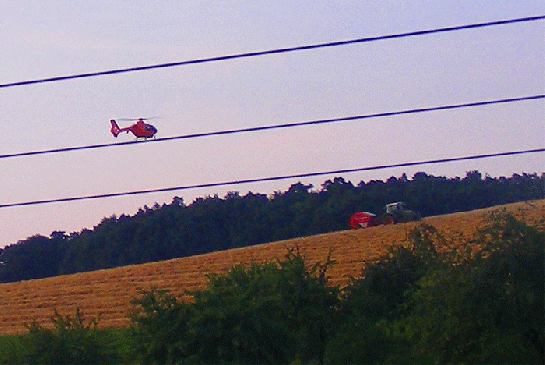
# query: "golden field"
108,292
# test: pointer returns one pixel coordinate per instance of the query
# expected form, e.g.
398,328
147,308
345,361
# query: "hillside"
109,292
212,224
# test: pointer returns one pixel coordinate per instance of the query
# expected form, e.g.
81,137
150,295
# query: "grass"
12,350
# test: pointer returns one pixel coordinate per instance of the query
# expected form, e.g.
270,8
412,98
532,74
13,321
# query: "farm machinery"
393,213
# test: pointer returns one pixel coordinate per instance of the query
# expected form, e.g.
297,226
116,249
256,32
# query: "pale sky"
41,39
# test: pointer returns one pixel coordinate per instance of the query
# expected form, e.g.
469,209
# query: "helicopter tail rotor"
115,128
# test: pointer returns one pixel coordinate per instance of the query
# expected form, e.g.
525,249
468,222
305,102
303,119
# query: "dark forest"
213,224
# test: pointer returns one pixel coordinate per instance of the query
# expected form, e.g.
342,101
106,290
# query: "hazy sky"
40,39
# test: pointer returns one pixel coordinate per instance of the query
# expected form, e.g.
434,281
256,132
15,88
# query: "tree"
373,303
212,223
276,312
310,302
159,328
485,305
35,258
270,313
239,318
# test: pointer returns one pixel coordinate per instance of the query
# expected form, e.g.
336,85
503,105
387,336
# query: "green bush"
70,341
484,305
159,328
276,312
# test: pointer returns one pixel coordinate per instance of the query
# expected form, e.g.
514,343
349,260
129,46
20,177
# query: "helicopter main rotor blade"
135,119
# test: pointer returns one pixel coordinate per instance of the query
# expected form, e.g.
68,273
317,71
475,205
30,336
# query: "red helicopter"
139,129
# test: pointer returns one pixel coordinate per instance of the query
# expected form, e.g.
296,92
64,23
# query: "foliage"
372,303
213,223
239,318
310,302
11,350
480,305
159,328
484,306
271,313
37,257
70,341
418,304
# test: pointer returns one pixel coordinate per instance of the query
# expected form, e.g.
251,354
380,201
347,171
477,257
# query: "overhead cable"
281,126
274,178
276,51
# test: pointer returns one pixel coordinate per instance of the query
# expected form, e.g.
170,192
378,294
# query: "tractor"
399,213
394,213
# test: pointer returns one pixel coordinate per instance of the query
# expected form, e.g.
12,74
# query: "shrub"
70,341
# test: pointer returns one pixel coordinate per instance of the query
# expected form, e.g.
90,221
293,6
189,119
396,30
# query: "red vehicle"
363,220
139,129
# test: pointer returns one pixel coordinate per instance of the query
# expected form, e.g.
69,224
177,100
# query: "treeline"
481,303
213,224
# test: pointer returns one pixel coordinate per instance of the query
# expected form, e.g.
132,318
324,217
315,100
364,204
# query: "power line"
274,178
276,51
285,125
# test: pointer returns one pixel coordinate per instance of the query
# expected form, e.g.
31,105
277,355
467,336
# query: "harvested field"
108,292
